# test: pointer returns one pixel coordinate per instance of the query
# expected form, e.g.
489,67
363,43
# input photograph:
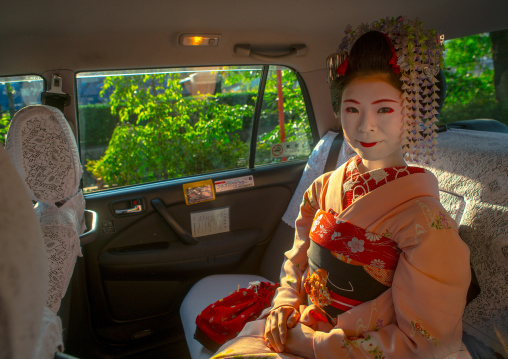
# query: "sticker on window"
230,184
197,192
205,223
288,149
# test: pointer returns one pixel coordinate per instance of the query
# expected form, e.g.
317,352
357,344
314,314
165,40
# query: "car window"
17,92
476,71
142,126
284,129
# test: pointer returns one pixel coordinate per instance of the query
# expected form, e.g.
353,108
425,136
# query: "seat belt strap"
333,154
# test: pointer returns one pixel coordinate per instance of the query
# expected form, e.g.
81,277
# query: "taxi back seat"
472,170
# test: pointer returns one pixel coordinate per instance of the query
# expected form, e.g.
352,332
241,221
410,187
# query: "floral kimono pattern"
335,286
385,234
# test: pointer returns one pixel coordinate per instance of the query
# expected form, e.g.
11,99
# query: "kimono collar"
377,203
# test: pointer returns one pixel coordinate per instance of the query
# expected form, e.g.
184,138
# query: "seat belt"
333,154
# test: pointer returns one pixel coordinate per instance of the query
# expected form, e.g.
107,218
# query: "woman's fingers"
276,327
282,326
268,334
272,332
293,319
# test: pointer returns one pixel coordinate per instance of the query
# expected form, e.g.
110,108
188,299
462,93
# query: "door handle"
136,209
182,234
91,233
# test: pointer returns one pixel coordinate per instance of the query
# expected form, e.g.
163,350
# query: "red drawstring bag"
224,319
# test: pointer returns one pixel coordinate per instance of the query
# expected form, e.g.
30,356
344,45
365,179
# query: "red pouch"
224,319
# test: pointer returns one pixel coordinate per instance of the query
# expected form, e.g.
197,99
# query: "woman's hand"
300,341
277,324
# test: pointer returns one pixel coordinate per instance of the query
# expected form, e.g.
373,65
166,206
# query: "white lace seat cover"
61,227
44,151
472,170
314,168
23,269
50,337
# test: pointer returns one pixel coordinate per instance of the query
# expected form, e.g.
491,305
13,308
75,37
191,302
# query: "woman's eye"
385,110
351,110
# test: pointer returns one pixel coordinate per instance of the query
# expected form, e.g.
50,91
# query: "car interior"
193,130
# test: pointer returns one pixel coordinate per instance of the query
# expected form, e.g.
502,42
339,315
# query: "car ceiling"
38,36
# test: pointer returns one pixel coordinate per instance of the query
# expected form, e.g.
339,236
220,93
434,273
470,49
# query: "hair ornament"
417,56
394,61
342,68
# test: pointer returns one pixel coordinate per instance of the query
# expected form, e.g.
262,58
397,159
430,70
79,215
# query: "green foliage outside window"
171,135
471,90
163,133
5,119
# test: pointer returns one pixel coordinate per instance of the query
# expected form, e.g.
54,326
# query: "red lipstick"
364,144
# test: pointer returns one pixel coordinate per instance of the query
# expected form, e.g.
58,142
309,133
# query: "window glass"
144,126
17,92
284,133
477,82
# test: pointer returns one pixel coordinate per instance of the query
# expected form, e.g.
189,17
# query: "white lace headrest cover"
44,151
23,267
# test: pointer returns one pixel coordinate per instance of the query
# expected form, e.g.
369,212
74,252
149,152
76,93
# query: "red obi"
376,253
348,265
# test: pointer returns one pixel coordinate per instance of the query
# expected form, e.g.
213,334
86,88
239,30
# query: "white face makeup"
371,114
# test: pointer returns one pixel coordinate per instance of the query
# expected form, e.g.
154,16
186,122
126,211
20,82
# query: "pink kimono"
377,269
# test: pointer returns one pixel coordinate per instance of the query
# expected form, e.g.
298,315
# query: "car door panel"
138,269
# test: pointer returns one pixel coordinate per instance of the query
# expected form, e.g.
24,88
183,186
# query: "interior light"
199,40
195,40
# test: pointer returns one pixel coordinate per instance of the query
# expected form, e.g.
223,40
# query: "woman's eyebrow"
384,100
351,100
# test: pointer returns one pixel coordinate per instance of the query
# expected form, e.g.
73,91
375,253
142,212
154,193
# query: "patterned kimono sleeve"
291,291
420,316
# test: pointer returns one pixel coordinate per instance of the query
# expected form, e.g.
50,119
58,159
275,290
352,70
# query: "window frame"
258,108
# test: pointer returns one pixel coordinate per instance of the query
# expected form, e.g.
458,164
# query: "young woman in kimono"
377,269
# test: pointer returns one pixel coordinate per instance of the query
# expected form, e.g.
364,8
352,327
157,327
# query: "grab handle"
246,50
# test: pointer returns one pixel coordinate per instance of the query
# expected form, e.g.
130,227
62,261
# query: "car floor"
177,350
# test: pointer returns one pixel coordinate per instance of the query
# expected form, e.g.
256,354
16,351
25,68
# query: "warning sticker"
287,149
230,184
197,192
205,223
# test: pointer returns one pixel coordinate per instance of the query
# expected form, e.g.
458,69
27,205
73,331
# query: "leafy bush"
97,123
471,93
171,135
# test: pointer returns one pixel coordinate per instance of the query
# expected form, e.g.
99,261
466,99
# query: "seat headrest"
44,151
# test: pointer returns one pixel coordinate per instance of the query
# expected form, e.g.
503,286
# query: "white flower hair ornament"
417,54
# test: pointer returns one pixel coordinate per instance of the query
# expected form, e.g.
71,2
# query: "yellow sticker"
197,192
